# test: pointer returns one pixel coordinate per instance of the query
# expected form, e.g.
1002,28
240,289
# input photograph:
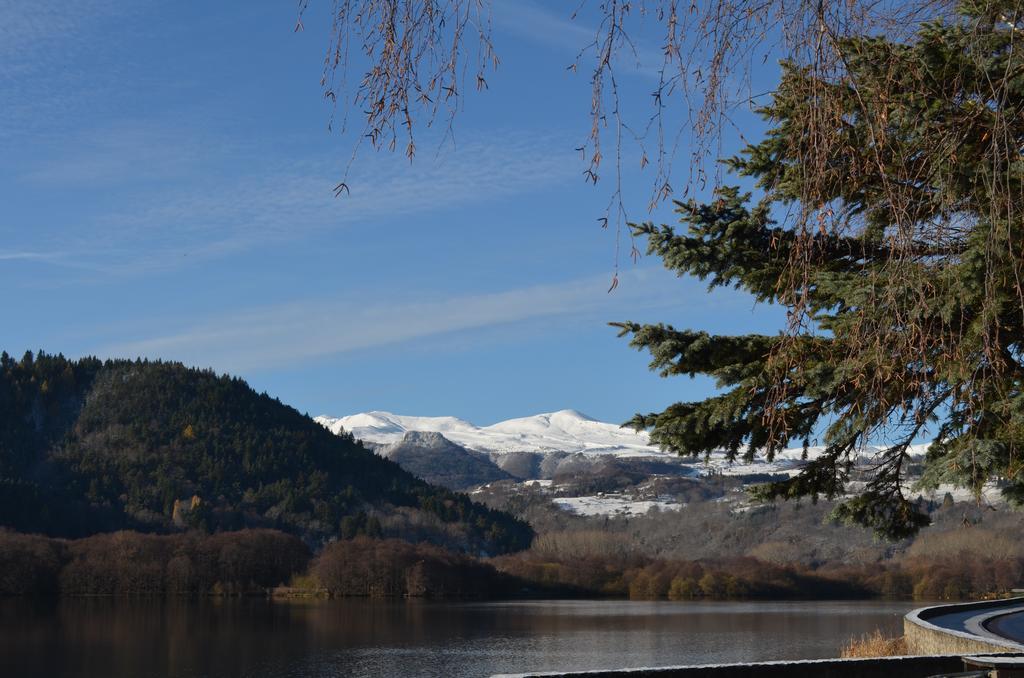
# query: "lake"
213,638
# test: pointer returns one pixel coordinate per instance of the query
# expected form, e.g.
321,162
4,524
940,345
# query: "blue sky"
165,185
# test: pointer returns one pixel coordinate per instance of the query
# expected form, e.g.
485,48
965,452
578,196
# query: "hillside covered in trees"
89,446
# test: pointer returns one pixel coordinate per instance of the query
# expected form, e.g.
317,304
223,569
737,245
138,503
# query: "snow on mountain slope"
563,431
431,456
559,445
566,431
613,506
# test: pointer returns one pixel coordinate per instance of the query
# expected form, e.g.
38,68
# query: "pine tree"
901,273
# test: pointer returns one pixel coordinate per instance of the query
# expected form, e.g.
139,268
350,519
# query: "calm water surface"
95,638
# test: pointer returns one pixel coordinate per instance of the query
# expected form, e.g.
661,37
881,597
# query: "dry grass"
874,645
975,539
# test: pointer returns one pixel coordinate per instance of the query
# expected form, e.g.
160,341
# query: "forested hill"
89,446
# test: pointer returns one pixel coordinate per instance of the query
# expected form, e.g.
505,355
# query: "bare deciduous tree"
917,192
404,65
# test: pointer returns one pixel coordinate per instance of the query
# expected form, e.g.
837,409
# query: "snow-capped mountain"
564,431
437,460
562,434
554,452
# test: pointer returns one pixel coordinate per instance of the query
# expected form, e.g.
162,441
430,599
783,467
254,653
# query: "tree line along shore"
149,478
258,561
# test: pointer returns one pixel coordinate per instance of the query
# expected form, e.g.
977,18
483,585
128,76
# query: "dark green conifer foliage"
89,446
889,226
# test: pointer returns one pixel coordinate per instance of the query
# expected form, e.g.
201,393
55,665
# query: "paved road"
956,621
1010,626
1002,621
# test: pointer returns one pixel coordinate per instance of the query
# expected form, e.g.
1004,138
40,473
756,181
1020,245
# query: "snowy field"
613,505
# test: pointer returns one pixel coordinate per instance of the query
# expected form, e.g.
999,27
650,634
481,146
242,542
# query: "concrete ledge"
885,667
978,623
926,638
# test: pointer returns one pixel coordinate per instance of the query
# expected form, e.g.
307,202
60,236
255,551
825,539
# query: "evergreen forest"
88,446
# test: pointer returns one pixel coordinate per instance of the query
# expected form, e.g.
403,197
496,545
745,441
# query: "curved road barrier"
966,628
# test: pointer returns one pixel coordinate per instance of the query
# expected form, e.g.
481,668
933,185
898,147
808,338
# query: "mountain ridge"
88,446
566,432
439,461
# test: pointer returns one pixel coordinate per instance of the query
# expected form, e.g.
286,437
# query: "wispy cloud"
29,256
568,35
539,24
188,220
42,47
287,334
54,258
122,153
40,26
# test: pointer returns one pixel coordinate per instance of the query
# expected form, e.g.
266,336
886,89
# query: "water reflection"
215,638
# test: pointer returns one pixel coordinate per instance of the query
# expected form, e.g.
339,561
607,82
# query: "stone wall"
921,640
923,637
